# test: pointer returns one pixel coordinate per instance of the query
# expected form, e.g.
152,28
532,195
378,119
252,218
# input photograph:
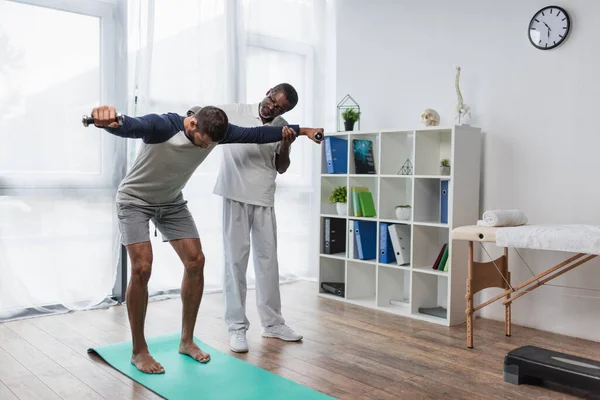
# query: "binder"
444,202
336,155
400,236
366,239
386,250
352,248
335,235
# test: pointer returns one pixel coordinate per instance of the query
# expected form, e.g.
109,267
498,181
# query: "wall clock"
549,27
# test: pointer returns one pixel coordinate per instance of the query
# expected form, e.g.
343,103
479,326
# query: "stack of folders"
362,240
441,263
336,155
394,244
362,202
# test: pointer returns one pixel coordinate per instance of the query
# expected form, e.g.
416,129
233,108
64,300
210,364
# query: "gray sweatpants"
241,222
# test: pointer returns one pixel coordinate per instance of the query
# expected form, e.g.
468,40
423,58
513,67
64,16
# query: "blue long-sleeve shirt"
158,128
167,158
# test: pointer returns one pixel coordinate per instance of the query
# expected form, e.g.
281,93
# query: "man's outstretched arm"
149,128
263,134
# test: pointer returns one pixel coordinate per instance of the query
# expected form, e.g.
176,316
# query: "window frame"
110,81
304,178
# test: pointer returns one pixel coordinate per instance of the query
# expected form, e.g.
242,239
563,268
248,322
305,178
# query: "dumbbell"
319,136
87,120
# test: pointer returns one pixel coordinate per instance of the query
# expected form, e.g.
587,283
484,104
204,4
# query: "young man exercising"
173,147
246,182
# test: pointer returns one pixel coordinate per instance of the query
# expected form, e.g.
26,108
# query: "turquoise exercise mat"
223,377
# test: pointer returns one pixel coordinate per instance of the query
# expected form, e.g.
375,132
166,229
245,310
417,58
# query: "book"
356,201
439,257
363,156
367,205
444,258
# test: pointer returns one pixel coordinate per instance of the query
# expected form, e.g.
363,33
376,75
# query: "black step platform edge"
530,363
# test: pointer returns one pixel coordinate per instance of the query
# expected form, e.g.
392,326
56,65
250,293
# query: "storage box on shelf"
391,258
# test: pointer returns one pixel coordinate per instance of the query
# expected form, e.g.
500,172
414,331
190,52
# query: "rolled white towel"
504,218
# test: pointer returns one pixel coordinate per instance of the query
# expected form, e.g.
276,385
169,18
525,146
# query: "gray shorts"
173,222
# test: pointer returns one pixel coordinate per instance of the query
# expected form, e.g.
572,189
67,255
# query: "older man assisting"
173,147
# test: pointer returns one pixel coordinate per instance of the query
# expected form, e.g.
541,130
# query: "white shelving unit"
373,284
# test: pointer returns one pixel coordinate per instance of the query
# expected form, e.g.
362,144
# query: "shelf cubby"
361,282
352,155
328,183
428,200
419,289
431,146
370,182
342,224
428,241
396,149
393,289
406,228
429,292
394,192
331,270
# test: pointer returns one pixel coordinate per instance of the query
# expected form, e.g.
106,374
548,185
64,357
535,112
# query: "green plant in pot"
350,116
339,196
403,212
445,167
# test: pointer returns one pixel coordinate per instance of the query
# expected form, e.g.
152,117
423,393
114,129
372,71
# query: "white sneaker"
282,332
237,341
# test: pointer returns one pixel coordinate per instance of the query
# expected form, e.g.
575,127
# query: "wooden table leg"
470,299
507,310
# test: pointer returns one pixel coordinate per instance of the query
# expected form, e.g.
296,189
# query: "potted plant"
403,212
350,116
339,196
445,167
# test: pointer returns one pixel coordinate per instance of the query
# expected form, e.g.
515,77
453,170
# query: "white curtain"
227,51
58,242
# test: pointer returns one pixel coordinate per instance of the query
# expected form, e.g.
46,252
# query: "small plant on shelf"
403,212
445,166
350,116
339,196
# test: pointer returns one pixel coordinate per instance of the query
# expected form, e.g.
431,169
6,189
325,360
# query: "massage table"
582,240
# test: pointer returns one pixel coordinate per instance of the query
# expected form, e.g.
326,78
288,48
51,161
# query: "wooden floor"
348,352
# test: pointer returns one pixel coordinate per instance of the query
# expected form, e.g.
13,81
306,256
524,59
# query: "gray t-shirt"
248,171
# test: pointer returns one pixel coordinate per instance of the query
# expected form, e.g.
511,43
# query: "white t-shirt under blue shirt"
248,171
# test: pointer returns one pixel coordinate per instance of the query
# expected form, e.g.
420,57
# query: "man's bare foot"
146,363
192,350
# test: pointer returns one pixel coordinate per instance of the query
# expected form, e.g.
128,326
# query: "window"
274,53
46,84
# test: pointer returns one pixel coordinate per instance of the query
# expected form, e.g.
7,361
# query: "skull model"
430,117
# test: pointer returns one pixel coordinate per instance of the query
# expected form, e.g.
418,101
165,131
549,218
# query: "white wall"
537,110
